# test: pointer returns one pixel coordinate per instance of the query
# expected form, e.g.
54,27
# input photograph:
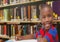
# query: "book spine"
19,30
34,12
1,14
16,29
18,13
12,13
15,13
5,2
11,1
24,29
13,30
0,29
38,12
0,2
9,30
5,30
29,12
31,29
5,14
22,13
25,14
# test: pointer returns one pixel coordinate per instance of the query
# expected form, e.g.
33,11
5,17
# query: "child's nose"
46,19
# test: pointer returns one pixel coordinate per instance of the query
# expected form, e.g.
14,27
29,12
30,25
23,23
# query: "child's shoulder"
53,31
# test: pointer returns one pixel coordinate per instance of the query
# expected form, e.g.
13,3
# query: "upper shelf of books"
6,3
14,2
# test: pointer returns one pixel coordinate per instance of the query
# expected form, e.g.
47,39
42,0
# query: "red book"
4,28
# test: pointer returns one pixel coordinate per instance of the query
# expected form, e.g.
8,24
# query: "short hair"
45,5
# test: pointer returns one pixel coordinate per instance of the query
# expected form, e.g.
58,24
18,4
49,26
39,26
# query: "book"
28,29
31,30
11,1
18,12
22,13
1,14
5,13
12,32
4,29
20,30
17,1
15,12
24,29
25,13
16,29
29,12
0,2
34,13
11,14
0,29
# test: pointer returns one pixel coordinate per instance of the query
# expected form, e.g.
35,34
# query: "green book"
5,13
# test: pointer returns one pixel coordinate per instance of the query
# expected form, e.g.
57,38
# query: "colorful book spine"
4,2
9,30
11,13
25,14
18,13
0,29
5,29
24,29
13,31
22,13
19,30
15,12
16,29
29,12
33,12
1,14
31,29
11,1
5,13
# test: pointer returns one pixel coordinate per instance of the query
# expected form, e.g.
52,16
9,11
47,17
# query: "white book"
11,1
22,13
0,30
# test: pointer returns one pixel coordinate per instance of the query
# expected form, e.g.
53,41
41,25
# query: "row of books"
6,2
22,13
12,30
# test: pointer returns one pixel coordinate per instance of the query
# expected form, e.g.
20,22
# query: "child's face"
46,17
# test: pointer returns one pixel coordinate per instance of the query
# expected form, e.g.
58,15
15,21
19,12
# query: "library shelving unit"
10,15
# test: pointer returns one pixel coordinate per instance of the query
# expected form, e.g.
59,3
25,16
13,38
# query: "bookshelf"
12,15
18,22
17,4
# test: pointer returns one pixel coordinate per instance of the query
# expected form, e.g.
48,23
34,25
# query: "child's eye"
43,17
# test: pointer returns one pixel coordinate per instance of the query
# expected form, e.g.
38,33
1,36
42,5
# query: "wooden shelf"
4,37
56,20
7,5
13,22
18,22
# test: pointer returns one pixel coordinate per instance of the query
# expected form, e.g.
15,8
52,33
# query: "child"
47,33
